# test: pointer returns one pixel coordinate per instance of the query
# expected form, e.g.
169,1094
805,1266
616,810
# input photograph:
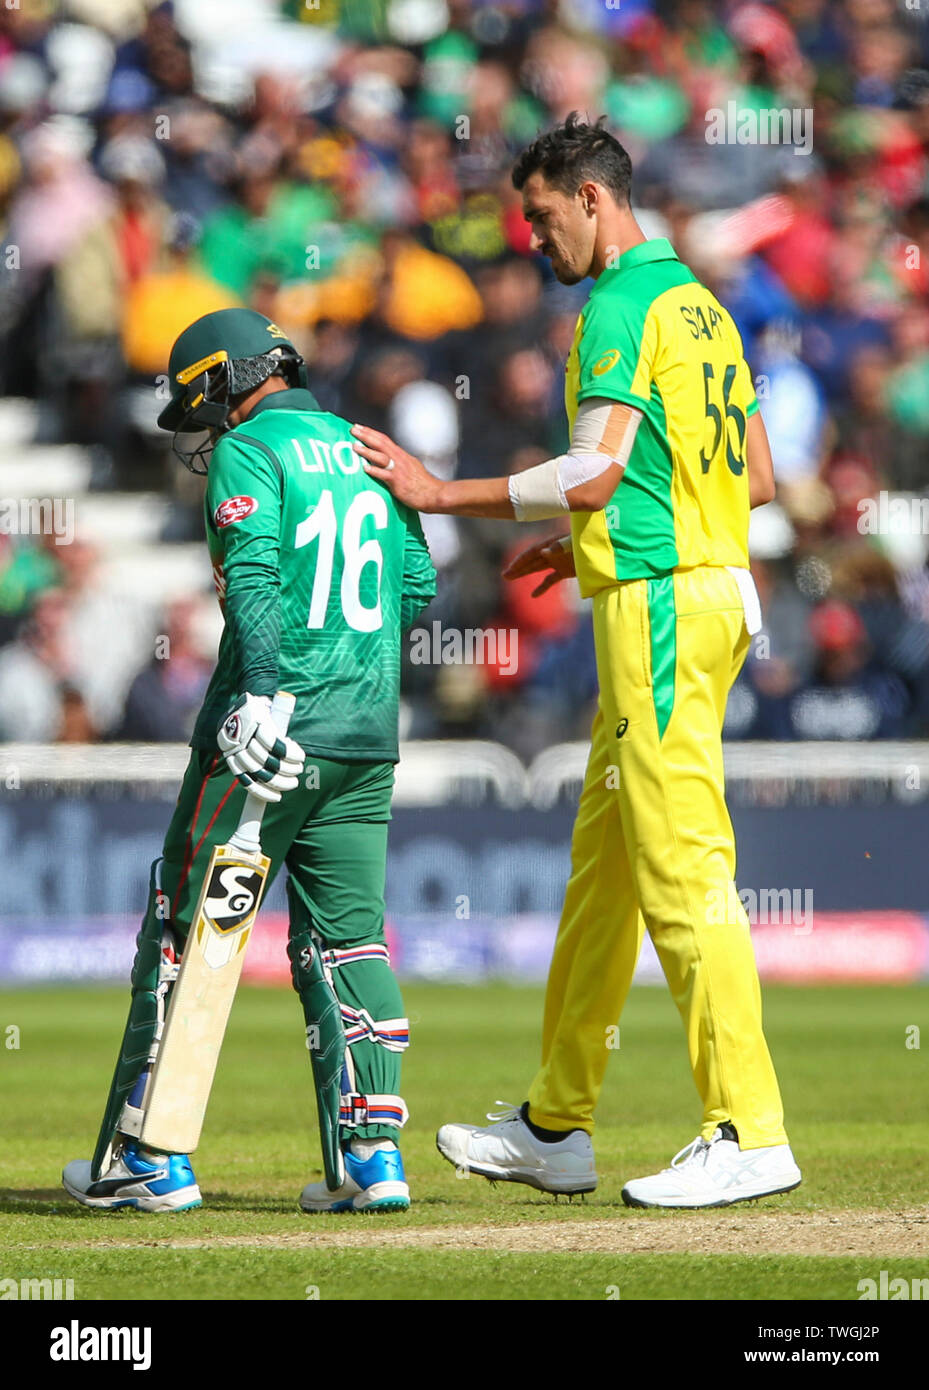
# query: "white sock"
150,1157
365,1148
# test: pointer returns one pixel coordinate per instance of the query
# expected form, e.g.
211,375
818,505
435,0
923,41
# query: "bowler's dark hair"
573,153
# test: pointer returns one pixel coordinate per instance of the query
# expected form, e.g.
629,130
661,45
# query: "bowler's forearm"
475,497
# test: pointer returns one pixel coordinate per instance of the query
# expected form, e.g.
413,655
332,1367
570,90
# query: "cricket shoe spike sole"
134,1182
372,1185
508,1151
715,1172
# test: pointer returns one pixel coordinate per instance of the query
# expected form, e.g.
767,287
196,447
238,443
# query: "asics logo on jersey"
607,362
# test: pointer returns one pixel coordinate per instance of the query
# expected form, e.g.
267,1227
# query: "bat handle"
248,830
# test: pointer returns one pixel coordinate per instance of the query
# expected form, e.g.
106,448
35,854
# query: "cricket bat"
201,1000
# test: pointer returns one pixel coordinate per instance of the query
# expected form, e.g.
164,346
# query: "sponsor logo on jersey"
234,509
606,362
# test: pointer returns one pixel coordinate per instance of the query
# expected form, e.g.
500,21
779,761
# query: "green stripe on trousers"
662,621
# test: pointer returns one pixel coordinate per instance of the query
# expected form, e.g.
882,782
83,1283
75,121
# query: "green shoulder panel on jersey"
301,535
263,449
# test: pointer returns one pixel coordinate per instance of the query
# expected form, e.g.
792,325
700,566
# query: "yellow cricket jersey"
652,336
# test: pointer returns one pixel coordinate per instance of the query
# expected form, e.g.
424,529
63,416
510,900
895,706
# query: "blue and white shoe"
134,1181
371,1184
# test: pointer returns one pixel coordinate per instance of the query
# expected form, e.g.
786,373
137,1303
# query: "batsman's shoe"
373,1184
715,1173
508,1151
134,1181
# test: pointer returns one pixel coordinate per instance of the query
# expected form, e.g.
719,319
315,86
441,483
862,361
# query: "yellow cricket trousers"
653,847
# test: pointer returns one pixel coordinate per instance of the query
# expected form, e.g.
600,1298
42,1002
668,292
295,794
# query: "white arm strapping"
606,427
539,493
536,493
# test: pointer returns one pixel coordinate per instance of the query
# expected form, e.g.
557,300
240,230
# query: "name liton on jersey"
325,453
76,1343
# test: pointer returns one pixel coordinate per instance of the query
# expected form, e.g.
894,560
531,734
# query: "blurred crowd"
343,166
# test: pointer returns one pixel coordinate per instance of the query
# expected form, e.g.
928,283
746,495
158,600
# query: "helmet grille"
245,373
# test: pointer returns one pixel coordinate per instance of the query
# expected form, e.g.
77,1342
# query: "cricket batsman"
318,571
667,455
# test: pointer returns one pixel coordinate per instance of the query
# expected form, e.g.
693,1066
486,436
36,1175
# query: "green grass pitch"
854,1085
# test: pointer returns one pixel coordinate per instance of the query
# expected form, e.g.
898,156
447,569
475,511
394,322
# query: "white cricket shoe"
508,1151
715,1173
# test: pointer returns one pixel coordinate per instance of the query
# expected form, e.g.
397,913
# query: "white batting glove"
256,752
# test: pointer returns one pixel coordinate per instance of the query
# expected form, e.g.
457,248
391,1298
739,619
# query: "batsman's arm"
419,579
244,511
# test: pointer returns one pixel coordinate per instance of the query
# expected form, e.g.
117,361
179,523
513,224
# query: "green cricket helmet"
220,356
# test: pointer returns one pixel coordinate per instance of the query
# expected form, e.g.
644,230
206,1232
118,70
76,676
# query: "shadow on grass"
250,1202
15,1199
54,1201
40,1201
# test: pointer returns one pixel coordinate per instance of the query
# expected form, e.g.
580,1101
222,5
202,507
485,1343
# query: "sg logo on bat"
232,895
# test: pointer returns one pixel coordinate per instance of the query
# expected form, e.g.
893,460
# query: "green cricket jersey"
318,571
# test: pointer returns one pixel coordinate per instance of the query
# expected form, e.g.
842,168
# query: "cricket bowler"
667,455
318,571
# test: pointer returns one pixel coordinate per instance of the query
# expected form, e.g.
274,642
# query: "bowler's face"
561,229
